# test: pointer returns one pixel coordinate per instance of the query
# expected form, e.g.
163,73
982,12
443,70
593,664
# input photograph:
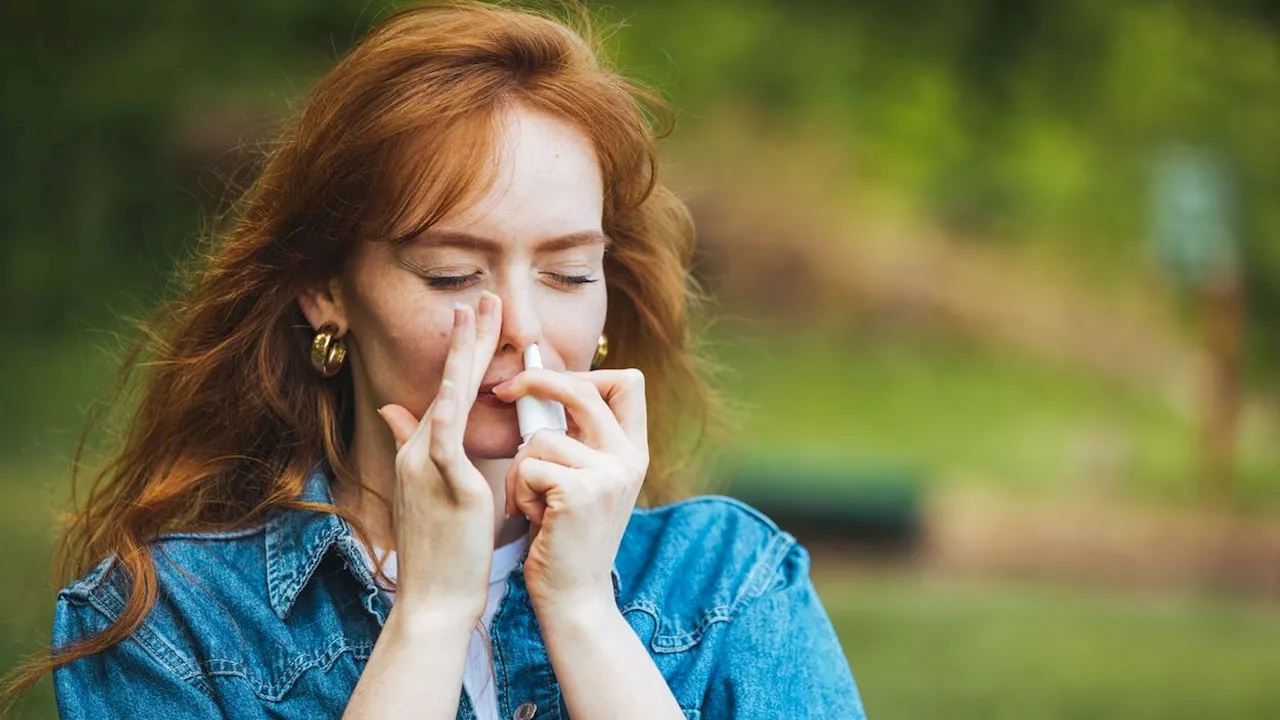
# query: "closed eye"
572,280
451,282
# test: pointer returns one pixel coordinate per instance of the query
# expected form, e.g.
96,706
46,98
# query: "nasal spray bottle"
534,413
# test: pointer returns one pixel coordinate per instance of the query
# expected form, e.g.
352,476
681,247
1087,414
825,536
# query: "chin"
491,435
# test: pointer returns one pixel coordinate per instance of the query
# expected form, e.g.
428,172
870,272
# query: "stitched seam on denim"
325,541
675,642
766,569
758,579
355,564
718,500
278,687
275,561
83,587
690,638
775,552
110,603
353,559
779,544
290,584
221,535
113,602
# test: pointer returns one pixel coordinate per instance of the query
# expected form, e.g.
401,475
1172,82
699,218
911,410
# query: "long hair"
230,416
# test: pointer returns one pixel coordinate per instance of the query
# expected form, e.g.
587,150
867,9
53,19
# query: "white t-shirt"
477,676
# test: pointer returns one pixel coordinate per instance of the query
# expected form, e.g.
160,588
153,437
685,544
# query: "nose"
520,325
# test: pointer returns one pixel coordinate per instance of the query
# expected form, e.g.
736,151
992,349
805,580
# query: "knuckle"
441,454
610,491
520,466
633,377
470,496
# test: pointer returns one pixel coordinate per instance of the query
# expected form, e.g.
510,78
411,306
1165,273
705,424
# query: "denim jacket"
278,620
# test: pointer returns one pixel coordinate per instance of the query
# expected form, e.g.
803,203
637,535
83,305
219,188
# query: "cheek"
403,347
573,328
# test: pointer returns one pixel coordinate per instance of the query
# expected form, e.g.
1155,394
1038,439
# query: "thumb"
401,422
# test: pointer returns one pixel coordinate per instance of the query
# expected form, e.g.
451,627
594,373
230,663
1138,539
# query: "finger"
535,481
559,448
578,396
553,447
461,358
624,392
443,448
488,327
401,422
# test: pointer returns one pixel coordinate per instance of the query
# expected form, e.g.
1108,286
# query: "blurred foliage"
1002,121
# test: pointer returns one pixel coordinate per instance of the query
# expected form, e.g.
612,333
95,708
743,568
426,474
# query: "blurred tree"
1009,122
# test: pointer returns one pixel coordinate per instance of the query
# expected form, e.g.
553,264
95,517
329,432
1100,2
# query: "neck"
373,457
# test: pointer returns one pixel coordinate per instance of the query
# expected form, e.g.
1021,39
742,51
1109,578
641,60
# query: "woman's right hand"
443,509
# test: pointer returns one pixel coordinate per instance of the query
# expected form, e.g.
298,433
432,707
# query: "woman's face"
534,239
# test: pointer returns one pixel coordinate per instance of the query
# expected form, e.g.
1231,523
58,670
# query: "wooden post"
1223,326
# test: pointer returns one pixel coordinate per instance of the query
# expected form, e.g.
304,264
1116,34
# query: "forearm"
416,667
603,669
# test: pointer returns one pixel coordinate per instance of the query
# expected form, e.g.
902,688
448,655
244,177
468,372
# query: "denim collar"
297,540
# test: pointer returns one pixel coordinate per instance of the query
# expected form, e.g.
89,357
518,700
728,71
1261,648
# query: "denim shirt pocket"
273,682
678,632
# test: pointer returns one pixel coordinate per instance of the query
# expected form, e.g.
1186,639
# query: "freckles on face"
534,238
401,332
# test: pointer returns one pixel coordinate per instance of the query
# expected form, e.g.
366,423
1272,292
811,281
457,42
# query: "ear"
324,304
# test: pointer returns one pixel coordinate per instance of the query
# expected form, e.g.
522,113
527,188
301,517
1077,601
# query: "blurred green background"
1023,256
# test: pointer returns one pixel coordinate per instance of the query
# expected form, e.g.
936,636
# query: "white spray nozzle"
534,413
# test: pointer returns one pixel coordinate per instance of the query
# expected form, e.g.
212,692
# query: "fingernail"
457,314
486,304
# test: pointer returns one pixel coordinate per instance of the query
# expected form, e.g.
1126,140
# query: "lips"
492,400
486,396
488,387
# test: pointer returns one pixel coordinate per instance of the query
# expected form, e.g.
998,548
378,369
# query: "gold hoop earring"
602,350
328,351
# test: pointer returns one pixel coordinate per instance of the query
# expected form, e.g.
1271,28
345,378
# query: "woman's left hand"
578,489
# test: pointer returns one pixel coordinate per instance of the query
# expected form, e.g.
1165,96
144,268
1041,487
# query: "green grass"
928,648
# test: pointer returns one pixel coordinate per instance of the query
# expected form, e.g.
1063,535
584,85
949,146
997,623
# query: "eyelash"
455,282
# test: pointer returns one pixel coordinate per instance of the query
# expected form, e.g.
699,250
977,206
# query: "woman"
323,505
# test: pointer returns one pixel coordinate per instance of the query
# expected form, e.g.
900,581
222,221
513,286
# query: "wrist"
585,611
432,620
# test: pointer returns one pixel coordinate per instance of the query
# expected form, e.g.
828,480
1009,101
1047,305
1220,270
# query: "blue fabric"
278,621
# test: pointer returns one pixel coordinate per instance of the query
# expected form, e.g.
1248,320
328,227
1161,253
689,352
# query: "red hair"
231,416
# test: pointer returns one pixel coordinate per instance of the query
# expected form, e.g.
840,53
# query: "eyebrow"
446,238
